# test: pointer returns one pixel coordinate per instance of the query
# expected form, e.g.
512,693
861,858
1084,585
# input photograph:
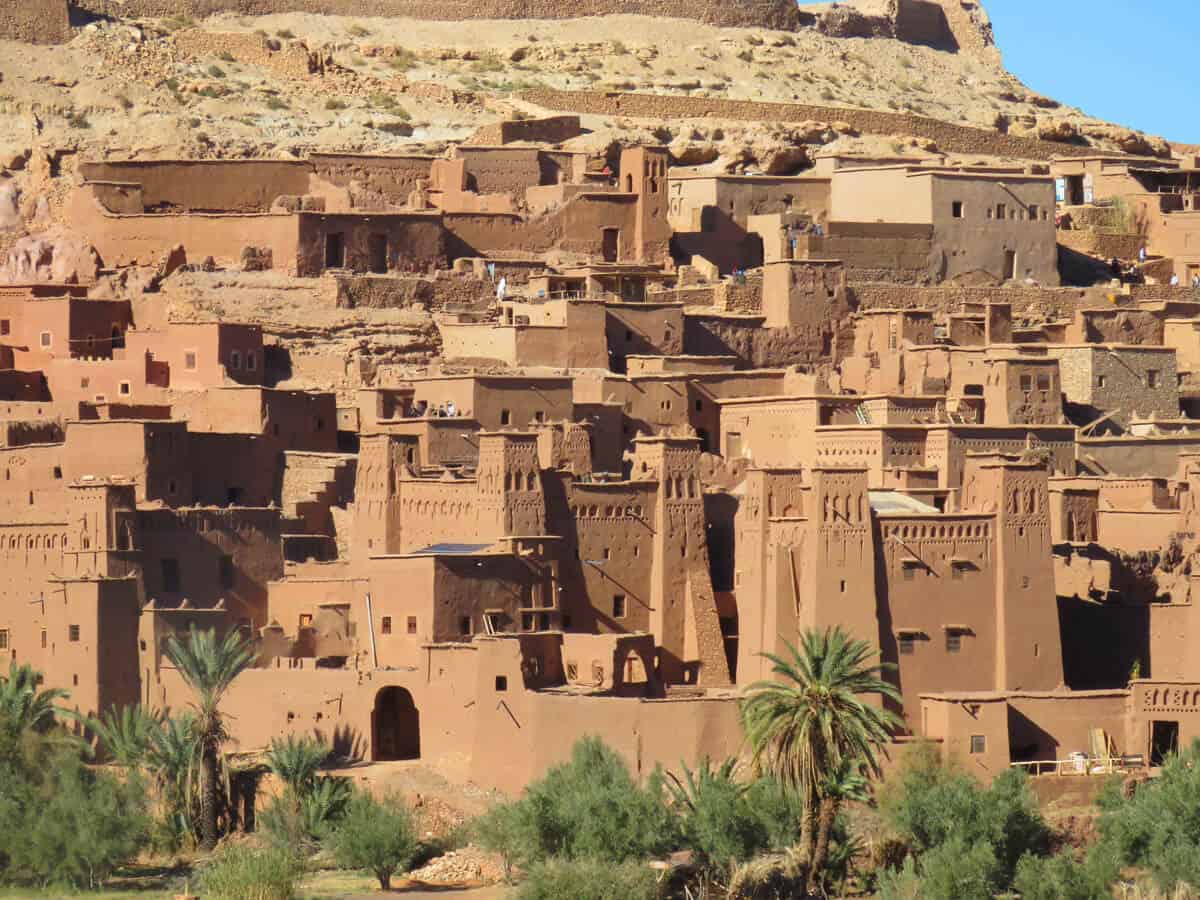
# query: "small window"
907,645
123,388
3,638
539,415
699,406
45,640
58,473
1043,382
1152,378
956,209
1026,383
628,336
226,572
527,622
189,360
1001,211
85,383
1033,212
566,622
46,339
411,625
978,744
5,326
464,625
73,634
305,620
235,360
910,573
386,625
1102,381
251,361
618,606
505,417
501,682
953,642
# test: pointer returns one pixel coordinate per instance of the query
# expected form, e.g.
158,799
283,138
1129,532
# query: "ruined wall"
779,14
40,22
547,130
1027,302
373,182
291,60
948,137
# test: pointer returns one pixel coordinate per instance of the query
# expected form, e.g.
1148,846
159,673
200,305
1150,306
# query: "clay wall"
642,328
940,586
215,554
241,185
413,242
44,22
546,130
372,182
610,525
947,446
746,14
124,240
153,455
1135,456
949,138
755,347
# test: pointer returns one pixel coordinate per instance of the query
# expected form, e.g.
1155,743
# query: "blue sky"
1127,62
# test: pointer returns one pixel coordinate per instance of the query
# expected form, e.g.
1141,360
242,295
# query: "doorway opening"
1164,741
395,726
612,243
335,251
1010,265
378,252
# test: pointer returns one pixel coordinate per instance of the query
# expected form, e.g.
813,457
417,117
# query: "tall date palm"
814,723
209,664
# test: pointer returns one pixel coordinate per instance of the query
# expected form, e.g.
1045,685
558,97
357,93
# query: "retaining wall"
948,137
780,14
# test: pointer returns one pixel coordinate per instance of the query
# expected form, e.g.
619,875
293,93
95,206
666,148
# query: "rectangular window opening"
385,627
618,606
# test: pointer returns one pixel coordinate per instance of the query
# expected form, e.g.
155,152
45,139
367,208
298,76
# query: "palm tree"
209,665
816,721
22,706
126,733
172,758
296,761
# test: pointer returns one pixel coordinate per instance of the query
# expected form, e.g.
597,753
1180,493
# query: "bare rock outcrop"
58,256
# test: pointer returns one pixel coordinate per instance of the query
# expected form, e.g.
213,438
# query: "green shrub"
276,103
245,873
126,734
716,819
285,33
1158,829
901,884
588,880
957,870
587,808
358,31
932,803
61,822
216,71
333,103
375,836
1060,878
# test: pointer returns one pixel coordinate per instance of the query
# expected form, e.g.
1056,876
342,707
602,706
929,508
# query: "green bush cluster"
245,873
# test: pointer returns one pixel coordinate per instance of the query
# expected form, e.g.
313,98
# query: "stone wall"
1037,304
288,59
780,14
948,137
35,21
1101,244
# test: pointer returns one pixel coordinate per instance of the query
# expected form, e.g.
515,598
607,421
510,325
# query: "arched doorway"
395,726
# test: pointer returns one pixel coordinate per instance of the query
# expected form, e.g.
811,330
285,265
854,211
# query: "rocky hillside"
284,84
